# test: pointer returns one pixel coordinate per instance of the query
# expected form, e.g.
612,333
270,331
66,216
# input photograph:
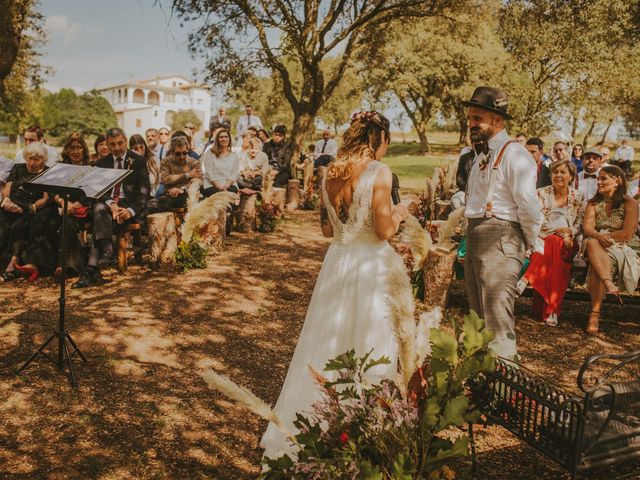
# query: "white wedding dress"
348,310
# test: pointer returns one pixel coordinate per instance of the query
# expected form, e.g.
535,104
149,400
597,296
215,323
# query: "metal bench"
598,428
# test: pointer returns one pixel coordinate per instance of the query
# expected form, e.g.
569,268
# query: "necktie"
116,189
324,145
161,151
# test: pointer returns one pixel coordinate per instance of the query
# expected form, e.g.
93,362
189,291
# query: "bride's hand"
401,211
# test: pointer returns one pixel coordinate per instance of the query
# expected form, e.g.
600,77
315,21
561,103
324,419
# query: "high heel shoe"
593,322
612,291
30,271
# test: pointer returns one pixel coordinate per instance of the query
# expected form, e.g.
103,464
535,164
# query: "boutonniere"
128,164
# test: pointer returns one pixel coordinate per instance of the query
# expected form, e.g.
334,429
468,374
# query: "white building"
152,103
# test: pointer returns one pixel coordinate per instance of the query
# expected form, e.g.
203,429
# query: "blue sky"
93,43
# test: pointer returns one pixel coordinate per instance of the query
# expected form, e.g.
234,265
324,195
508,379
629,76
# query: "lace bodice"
359,224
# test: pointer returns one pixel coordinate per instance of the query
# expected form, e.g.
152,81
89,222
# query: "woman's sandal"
612,291
10,276
593,322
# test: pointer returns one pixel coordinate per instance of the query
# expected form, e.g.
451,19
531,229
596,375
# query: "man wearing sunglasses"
164,134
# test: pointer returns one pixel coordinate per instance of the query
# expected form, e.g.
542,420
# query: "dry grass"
142,411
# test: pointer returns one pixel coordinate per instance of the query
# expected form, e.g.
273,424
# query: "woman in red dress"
550,267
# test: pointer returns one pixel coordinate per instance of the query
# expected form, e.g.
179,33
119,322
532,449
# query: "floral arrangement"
268,217
191,254
310,200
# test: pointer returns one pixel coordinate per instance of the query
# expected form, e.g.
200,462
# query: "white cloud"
61,30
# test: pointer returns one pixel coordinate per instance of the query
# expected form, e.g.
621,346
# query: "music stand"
69,182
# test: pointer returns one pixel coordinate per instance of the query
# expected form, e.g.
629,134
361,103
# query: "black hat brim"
488,109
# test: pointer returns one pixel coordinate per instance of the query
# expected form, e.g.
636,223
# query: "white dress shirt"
217,171
53,156
515,197
588,186
330,147
632,187
625,152
246,121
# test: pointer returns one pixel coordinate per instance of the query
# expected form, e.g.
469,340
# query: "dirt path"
141,410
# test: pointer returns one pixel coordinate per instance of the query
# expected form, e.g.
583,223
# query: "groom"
504,216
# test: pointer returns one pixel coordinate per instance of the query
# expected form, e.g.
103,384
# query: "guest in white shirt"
254,164
633,188
587,179
220,166
504,217
325,151
624,156
247,120
34,134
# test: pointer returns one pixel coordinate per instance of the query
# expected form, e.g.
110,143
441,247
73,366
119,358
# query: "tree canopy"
185,117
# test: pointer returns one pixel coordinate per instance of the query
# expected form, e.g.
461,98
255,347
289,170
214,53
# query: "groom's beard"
478,135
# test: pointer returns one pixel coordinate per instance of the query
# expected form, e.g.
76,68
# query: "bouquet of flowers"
267,217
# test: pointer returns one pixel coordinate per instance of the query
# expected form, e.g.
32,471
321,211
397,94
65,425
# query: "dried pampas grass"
447,230
267,185
418,240
402,309
244,398
193,193
450,177
428,320
203,212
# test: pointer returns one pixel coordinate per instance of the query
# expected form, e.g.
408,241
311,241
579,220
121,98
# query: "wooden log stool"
214,232
437,275
135,230
163,237
178,217
293,193
246,212
278,198
442,209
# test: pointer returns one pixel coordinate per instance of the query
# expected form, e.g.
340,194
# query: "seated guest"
28,220
221,166
550,266
611,244
137,144
75,152
35,134
521,138
192,153
177,171
587,179
559,152
100,148
576,156
263,135
279,153
535,147
606,155
326,150
124,204
254,164
153,142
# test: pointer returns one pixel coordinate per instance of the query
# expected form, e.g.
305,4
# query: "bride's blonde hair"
361,140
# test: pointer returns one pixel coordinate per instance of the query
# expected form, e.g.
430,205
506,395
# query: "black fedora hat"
491,99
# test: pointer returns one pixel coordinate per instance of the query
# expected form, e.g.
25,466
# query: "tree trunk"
438,272
424,141
463,127
302,124
9,38
163,238
606,131
574,127
588,134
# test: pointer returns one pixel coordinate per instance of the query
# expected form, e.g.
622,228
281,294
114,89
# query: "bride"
347,308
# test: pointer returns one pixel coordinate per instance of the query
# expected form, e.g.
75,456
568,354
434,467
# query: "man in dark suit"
219,121
125,203
535,147
278,152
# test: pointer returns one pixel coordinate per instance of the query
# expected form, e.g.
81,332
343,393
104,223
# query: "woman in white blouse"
220,166
254,164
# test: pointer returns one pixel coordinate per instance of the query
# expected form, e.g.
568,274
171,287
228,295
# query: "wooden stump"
122,238
246,213
278,198
179,214
307,177
214,232
163,238
293,192
438,272
443,209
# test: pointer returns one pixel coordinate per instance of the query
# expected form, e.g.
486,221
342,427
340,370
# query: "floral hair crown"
371,116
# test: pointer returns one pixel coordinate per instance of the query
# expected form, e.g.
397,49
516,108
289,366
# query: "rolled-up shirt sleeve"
521,176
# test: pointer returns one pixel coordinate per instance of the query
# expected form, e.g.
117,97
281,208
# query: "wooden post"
246,213
163,238
278,198
293,192
438,272
123,242
214,232
308,174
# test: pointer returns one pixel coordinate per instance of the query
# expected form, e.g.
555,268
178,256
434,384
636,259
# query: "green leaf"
369,472
445,346
345,361
384,360
431,412
472,339
402,469
454,412
460,448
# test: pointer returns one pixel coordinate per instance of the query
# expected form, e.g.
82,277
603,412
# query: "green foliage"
267,217
185,117
192,254
365,431
65,112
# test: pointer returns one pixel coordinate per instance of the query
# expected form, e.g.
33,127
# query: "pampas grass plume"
428,320
417,239
448,228
244,398
204,211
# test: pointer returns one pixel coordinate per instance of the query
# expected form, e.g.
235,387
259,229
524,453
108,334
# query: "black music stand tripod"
67,348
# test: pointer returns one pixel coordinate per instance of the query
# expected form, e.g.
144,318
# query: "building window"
155,113
170,97
138,123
